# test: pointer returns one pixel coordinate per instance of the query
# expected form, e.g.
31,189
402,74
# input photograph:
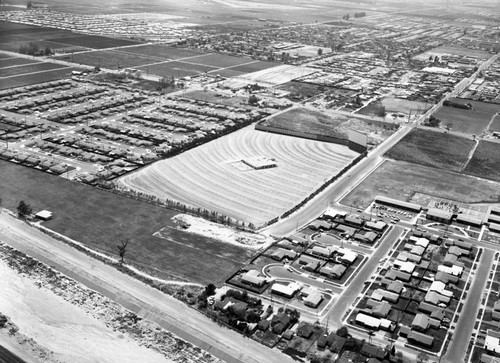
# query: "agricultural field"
308,121
485,161
93,41
220,183
161,52
9,62
401,180
28,68
39,77
100,219
472,122
222,61
430,148
107,59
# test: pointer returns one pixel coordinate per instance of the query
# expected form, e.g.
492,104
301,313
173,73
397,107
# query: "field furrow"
206,177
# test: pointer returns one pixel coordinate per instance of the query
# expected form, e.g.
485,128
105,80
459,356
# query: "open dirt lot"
207,177
431,148
101,219
63,328
401,180
394,105
472,121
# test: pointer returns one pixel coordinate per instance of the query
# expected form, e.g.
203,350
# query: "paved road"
147,302
346,300
463,330
336,190
348,181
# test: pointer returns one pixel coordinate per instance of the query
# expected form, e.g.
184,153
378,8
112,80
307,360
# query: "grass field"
177,69
47,76
28,68
485,162
101,220
307,120
93,41
431,148
473,121
401,180
208,177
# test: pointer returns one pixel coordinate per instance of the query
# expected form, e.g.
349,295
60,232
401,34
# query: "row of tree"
34,50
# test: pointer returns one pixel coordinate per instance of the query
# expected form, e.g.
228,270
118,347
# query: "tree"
47,51
253,100
122,249
320,51
210,290
343,332
29,5
24,209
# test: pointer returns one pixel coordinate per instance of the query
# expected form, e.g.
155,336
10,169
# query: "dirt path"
147,302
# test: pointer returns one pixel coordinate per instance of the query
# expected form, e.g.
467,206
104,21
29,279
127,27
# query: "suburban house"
253,278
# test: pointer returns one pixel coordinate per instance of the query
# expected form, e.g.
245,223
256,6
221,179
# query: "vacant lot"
101,219
485,162
308,121
208,176
107,59
401,180
472,122
431,148
93,41
394,105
